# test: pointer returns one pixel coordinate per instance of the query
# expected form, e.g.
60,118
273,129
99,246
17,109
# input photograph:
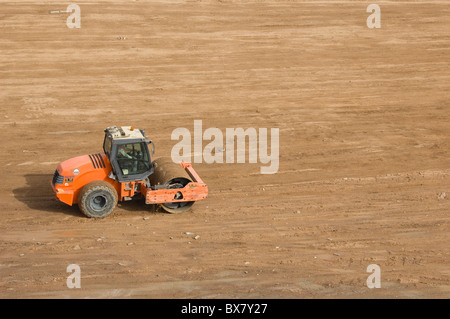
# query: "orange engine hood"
79,171
84,164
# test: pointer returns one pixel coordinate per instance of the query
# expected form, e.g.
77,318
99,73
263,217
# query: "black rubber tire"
97,199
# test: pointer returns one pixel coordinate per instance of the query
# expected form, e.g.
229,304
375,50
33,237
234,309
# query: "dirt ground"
364,167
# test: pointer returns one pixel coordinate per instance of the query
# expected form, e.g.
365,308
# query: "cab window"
107,146
133,158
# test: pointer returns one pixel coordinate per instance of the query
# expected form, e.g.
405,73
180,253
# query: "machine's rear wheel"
177,207
97,199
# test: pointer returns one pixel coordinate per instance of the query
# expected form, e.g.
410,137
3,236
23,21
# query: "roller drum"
171,176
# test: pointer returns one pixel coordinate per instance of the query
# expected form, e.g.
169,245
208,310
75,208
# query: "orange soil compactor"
125,170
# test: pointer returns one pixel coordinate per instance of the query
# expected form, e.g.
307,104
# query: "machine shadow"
38,195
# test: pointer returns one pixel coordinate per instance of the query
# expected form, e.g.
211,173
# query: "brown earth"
364,175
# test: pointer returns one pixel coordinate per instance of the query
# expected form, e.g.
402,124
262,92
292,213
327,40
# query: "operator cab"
128,153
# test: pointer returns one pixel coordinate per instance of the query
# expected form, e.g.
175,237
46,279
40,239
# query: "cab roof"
124,133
